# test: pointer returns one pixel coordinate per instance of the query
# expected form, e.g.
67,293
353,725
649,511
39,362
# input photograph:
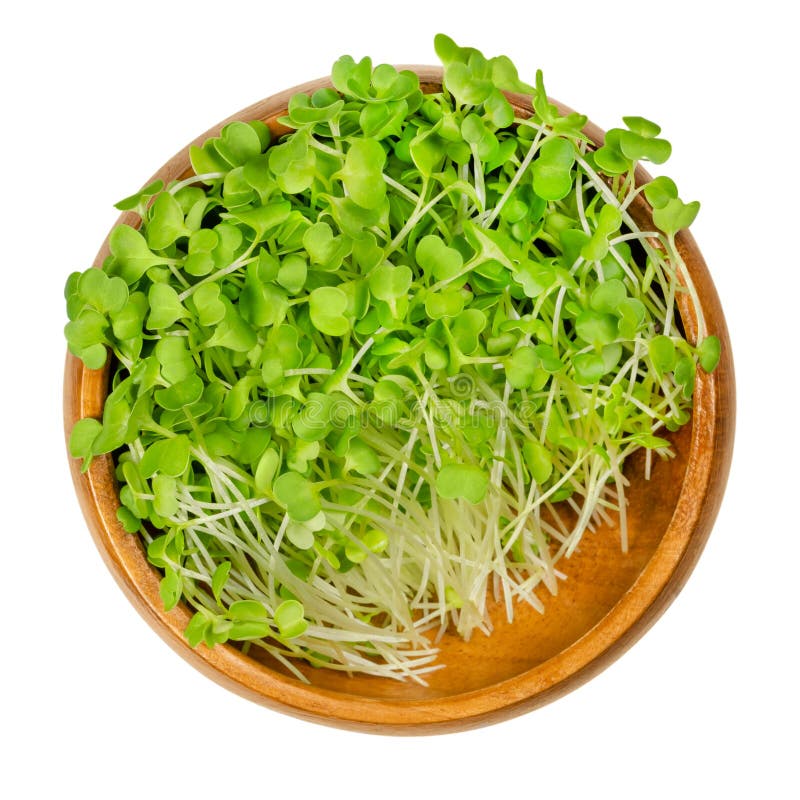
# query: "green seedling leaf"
609,158
181,394
662,354
550,361
609,221
210,309
165,306
136,201
165,489
685,373
572,124
266,470
205,240
660,191
709,353
196,629
87,330
327,307
427,150
534,278
206,160
521,367
323,106
589,368
611,355
362,174
650,441
325,250
506,77
435,355
241,141
248,611
199,264
466,329
315,419
437,259
248,630
170,588
289,617
376,541
261,303
380,121
233,333
538,460
632,314
173,356
300,535
440,305
285,346
127,323
552,177
462,481
642,127
106,295
448,51
131,253
596,328
361,458
348,76
129,521
166,223
264,219
238,398
292,273
389,283
82,437
642,147
608,296
219,579
296,494
217,632
293,163
356,552
482,140
167,456
469,83
675,215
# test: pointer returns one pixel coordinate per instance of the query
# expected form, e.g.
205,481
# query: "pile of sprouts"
383,373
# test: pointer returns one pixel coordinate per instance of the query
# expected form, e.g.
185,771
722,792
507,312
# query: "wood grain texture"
607,602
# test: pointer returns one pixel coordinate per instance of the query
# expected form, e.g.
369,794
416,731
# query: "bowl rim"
660,581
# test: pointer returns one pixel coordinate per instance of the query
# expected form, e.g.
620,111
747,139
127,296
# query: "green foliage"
297,495
362,173
462,480
552,178
350,367
289,619
709,353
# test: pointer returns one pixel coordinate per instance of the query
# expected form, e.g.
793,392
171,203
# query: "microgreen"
327,307
362,174
355,370
462,480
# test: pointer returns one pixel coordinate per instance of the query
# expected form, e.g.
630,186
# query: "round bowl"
607,602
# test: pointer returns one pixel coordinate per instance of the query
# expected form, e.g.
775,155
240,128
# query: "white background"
95,705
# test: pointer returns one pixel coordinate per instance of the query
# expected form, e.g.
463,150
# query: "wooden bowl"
607,602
